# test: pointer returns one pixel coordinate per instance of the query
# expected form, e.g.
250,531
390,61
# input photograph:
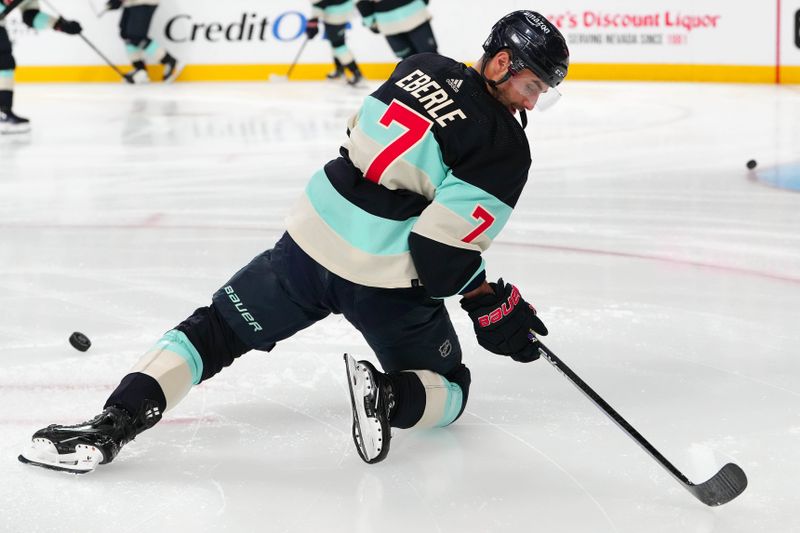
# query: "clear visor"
533,89
548,99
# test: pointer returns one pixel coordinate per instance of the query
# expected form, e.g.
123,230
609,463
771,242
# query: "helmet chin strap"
494,83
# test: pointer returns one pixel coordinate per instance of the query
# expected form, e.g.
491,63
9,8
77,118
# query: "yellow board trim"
378,71
790,74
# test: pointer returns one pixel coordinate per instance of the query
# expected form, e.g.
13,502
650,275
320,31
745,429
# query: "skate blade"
15,130
369,445
42,453
175,73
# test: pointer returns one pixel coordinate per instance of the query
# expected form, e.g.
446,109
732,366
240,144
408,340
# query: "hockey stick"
104,58
721,488
274,77
97,13
92,46
297,58
9,8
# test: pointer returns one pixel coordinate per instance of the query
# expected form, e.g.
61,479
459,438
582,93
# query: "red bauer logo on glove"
504,310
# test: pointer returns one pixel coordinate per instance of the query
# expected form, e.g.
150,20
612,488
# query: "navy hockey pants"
417,41
283,291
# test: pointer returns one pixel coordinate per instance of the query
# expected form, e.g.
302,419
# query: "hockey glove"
504,323
111,5
312,28
69,27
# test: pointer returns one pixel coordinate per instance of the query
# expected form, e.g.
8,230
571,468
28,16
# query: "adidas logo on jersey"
455,84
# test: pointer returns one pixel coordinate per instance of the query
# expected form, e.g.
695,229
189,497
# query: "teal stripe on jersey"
365,231
341,50
340,9
426,155
401,13
177,342
452,404
6,73
462,197
42,21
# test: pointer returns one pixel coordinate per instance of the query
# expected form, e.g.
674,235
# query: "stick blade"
724,486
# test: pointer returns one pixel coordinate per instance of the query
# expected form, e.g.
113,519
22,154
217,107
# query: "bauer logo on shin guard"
237,302
504,310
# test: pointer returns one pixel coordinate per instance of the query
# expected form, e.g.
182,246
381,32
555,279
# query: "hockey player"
335,14
133,28
405,24
431,170
33,17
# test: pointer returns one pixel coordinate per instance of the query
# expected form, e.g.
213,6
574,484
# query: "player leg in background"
422,40
9,122
268,300
135,53
135,26
342,57
425,383
416,41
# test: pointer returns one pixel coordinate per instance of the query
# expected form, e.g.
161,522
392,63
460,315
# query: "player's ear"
503,59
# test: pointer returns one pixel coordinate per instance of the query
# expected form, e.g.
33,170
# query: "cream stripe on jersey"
405,25
327,248
441,224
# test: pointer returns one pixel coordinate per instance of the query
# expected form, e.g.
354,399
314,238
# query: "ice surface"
669,278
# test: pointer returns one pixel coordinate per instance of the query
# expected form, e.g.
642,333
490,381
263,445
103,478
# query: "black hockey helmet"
535,43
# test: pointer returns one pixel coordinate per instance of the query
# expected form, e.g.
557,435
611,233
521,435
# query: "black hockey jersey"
430,173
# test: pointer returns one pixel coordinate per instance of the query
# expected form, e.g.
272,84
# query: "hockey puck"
751,164
79,341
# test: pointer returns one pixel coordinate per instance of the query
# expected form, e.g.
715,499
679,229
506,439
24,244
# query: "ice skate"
337,73
355,79
80,448
11,123
138,76
372,400
172,68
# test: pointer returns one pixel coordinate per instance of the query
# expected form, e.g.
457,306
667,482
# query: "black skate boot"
80,448
355,78
171,68
139,74
373,402
337,72
11,123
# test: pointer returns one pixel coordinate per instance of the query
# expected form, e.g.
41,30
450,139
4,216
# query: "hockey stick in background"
97,12
104,58
297,58
723,486
274,77
92,46
9,8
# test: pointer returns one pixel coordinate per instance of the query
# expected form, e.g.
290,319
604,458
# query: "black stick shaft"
297,57
559,365
92,46
102,56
